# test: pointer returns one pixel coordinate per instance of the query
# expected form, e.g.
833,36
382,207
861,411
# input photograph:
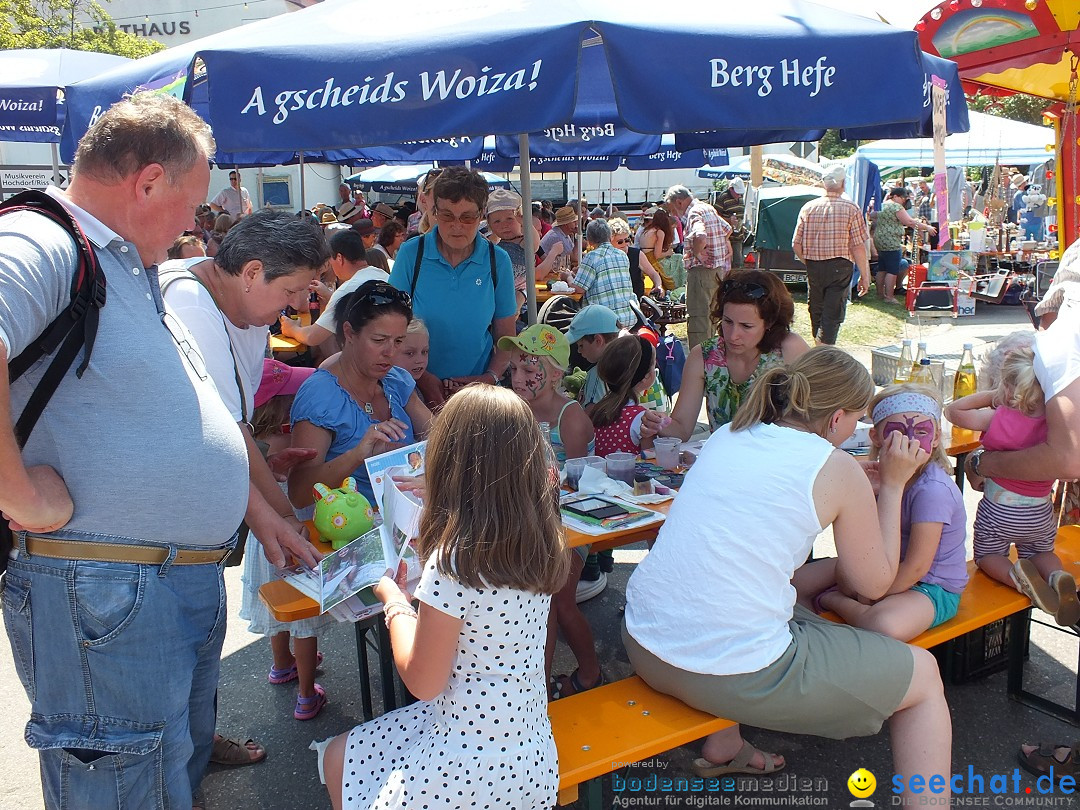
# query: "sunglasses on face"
751,290
448,218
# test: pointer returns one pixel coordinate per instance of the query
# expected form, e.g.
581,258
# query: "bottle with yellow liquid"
920,355
923,374
965,382
904,364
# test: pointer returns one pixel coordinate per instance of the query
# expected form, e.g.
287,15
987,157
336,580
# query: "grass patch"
870,322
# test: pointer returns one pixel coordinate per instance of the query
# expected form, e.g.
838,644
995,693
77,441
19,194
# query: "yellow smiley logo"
861,783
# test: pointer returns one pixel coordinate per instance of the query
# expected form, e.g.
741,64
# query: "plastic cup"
620,466
574,467
667,452
598,462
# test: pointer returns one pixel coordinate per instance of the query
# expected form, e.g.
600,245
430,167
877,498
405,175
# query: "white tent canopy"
990,140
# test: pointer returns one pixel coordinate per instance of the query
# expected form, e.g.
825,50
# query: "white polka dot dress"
485,742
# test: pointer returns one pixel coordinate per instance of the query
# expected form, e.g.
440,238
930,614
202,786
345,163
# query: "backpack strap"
416,266
77,324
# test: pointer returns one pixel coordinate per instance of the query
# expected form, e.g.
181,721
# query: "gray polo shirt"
143,441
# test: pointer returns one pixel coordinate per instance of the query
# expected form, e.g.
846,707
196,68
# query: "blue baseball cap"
594,319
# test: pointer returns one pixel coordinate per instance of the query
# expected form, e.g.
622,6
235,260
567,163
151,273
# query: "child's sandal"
308,708
279,676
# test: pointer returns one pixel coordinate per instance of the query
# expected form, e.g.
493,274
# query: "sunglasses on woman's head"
751,290
382,294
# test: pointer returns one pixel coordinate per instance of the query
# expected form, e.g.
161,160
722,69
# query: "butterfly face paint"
919,428
528,376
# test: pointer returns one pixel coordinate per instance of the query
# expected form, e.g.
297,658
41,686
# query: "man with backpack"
126,496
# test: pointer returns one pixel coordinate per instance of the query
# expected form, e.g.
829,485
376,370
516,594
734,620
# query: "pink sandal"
307,708
279,676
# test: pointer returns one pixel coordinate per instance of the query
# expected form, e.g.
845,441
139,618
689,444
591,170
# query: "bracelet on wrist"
493,375
395,609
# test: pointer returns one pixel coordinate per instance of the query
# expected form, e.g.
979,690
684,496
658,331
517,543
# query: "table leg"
365,677
961,461
387,673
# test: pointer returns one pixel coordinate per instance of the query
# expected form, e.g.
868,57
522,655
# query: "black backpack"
75,327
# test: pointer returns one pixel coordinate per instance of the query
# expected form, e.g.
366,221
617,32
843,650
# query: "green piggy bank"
342,515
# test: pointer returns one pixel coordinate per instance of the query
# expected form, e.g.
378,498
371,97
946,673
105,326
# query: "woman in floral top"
753,311
890,222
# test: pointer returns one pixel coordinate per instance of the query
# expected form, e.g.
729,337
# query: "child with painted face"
413,357
1012,417
540,356
932,572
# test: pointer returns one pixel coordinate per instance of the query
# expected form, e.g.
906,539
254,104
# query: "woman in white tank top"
762,489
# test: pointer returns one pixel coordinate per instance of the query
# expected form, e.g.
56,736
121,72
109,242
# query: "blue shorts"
945,603
889,262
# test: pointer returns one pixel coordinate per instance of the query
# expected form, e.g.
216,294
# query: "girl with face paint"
1013,417
932,572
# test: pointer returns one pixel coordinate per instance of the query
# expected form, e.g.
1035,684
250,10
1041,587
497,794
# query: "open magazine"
599,514
342,582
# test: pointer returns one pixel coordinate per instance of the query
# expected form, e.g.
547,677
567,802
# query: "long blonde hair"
937,455
1018,387
491,512
807,392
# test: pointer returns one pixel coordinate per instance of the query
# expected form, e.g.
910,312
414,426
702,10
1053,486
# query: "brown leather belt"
118,553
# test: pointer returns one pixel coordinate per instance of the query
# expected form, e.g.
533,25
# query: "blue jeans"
120,663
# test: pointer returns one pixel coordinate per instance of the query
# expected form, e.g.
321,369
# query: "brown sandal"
231,751
1044,758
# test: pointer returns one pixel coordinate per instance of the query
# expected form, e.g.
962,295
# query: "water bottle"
904,364
545,431
923,374
965,382
920,355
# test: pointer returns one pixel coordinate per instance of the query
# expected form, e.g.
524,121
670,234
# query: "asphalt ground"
987,726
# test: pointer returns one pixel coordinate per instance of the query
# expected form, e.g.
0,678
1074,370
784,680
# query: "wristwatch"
975,458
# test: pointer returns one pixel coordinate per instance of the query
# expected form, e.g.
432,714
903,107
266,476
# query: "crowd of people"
113,593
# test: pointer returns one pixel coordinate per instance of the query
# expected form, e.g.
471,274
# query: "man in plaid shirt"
603,276
707,256
830,239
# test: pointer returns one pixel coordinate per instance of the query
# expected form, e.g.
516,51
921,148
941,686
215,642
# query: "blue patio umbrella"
32,87
402,179
303,81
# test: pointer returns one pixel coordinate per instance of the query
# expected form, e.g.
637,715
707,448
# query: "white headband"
907,401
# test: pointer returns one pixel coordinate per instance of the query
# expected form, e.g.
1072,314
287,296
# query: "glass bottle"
965,382
904,364
920,355
922,373
313,306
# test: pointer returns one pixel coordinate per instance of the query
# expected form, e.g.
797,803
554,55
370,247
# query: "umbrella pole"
524,162
581,210
55,165
303,185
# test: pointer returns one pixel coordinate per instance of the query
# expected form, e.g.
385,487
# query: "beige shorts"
833,681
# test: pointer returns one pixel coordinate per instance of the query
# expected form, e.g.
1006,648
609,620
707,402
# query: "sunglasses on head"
382,294
751,290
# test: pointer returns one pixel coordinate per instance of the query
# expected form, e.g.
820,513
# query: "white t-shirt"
218,339
714,594
235,204
326,319
1057,350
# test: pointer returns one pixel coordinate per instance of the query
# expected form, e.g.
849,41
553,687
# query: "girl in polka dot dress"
628,368
474,651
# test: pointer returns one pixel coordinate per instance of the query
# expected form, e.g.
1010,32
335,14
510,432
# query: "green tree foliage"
832,147
62,24
1018,107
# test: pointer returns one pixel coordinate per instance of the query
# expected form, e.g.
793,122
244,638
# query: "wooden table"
284,345
543,294
961,442
286,604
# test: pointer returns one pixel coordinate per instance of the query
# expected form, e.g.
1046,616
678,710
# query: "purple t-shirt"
935,498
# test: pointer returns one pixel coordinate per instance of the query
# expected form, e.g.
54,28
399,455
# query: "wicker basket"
885,360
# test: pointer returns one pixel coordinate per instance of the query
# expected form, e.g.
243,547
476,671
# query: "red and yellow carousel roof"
1004,46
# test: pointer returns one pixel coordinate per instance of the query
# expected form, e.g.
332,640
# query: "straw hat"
565,215
328,217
